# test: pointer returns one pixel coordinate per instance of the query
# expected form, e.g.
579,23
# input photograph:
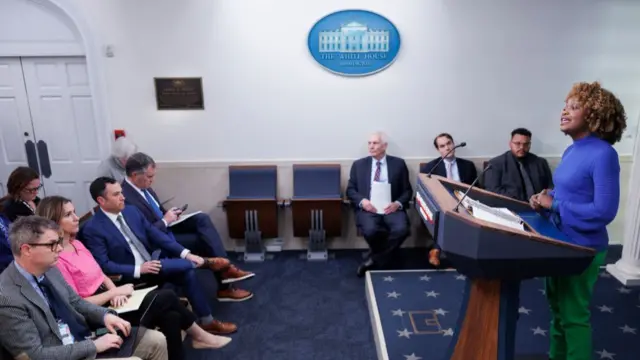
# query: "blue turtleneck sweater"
587,191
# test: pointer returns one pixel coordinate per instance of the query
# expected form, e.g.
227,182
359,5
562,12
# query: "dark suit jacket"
133,197
504,175
466,169
6,256
28,326
110,248
359,186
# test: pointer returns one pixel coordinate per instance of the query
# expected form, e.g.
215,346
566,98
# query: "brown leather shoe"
217,263
434,257
234,295
233,274
220,328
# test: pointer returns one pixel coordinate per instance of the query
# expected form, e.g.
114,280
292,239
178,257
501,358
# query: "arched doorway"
51,108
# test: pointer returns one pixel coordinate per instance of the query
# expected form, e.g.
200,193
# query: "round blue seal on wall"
354,42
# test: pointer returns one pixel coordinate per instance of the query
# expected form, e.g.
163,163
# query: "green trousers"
569,299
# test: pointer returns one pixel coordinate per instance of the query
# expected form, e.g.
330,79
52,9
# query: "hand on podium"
541,200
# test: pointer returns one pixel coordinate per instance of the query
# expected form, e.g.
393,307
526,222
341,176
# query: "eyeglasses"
32,190
52,245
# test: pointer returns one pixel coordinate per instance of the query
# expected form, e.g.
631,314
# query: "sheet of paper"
380,196
134,301
480,213
184,217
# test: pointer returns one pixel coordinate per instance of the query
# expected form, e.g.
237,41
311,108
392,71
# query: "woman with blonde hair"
584,201
160,308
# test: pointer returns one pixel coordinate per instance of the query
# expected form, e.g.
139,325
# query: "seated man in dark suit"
384,229
457,169
43,318
518,173
196,233
124,243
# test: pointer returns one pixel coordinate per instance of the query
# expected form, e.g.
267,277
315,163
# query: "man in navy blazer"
196,233
454,168
124,243
451,167
384,229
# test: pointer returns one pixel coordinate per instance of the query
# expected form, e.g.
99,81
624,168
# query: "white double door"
47,122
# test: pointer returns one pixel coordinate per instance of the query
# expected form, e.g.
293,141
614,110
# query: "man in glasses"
43,318
518,173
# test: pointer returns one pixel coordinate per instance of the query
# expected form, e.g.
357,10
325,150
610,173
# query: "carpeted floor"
308,310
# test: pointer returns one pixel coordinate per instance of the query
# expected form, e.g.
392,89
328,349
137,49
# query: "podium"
495,258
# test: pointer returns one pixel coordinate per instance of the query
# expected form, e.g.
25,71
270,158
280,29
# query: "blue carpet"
315,311
419,310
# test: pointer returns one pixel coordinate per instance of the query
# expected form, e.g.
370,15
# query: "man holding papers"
379,189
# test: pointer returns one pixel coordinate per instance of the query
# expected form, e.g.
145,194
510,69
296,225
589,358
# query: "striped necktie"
376,177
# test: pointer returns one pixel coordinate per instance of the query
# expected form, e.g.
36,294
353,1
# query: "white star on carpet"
605,274
524,310
412,357
432,294
624,290
539,331
425,278
543,291
404,333
448,332
388,279
626,329
605,308
398,312
461,277
394,295
441,312
604,354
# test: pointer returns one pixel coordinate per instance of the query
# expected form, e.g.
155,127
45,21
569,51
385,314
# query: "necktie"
134,239
61,310
449,174
376,177
152,203
528,185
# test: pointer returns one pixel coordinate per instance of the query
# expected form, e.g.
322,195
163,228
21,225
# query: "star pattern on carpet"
405,333
388,278
539,331
461,277
624,290
448,332
440,312
394,295
412,357
432,294
398,312
604,354
626,329
425,278
524,310
605,308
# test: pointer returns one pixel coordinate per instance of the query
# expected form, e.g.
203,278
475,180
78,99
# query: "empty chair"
252,207
316,206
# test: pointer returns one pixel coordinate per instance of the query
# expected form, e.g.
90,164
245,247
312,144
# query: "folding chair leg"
317,249
254,249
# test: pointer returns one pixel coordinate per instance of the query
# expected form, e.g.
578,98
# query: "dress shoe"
233,274
364,267
234,295
219,328
434,257
217,263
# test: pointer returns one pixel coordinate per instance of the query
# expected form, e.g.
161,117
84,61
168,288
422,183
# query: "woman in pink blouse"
160,308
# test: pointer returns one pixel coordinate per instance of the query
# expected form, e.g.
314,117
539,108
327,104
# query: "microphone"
462,144
471,186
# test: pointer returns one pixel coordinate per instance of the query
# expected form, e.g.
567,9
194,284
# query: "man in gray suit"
42,317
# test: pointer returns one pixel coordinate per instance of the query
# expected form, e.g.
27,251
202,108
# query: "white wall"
475,71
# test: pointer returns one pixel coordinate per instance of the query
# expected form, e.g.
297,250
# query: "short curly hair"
605,115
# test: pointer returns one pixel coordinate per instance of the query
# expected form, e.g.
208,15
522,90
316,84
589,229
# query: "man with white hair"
387,227
113,166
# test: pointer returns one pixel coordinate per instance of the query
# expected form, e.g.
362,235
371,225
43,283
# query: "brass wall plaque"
179,93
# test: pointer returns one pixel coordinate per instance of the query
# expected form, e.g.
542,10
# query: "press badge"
65,333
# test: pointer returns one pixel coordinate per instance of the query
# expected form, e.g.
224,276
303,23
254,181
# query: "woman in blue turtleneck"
584,201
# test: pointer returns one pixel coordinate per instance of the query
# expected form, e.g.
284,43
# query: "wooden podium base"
488,328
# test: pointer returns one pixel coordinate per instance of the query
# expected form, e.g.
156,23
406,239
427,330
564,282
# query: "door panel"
15,119
64,124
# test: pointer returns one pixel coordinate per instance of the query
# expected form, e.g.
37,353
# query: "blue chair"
316,206
252,207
